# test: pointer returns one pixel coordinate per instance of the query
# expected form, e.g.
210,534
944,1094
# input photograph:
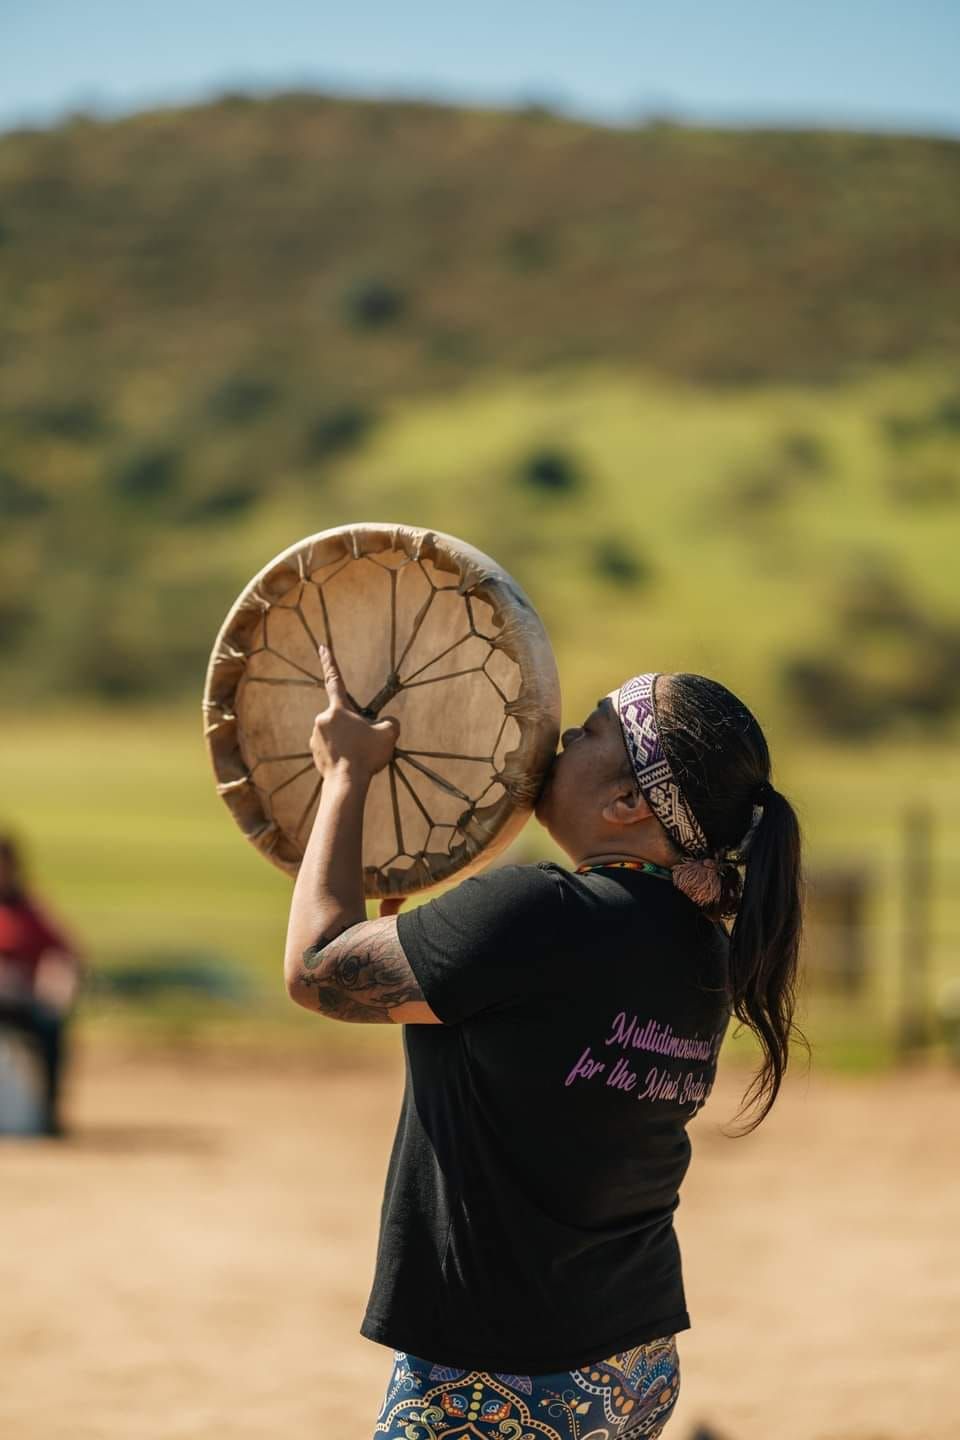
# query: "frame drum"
423,627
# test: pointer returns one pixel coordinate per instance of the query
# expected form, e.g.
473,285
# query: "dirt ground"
194,1261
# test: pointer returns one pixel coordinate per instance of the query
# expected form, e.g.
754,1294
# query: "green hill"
276,235
690,386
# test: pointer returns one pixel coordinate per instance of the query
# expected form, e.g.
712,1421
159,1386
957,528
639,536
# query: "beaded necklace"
646,865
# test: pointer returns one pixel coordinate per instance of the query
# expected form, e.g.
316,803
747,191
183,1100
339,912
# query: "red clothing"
25,934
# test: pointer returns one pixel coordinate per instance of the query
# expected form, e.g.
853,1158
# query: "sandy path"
194,1263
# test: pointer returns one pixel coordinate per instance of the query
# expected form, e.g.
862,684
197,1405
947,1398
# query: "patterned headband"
651,767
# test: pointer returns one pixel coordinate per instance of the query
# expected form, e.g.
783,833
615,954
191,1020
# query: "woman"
560,1030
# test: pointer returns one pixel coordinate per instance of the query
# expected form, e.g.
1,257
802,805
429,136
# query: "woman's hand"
342,738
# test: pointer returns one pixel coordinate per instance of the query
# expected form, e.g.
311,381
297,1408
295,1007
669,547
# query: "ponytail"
765,947
719,756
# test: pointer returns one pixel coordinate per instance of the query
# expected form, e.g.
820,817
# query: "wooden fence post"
914,1004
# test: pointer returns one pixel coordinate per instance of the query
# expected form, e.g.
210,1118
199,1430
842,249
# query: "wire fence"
882,940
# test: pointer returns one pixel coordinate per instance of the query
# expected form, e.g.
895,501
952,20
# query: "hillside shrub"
240,399
20,499
527,249
763,486
227,501
552,471
943,419
805,451
16,618
830,698
924,485
373,304
77,420
887,662
902,430
148,474
614,560
947,413
340,429
109,669
874,599
798,457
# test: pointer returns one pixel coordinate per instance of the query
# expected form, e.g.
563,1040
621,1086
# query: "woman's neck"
599,856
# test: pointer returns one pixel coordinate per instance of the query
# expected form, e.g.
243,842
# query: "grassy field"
135,850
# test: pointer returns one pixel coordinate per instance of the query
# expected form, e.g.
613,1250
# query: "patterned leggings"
629,1396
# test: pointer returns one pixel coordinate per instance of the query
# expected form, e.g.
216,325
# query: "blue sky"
886,64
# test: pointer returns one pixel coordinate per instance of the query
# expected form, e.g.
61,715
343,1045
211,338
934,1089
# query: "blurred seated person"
40,974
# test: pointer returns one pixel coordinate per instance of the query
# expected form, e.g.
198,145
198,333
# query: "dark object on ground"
42,1029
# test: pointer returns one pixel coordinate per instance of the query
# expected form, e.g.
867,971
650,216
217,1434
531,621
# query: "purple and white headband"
651,767
698,874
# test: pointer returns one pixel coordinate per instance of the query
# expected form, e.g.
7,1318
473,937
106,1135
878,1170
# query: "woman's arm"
328,894
336,961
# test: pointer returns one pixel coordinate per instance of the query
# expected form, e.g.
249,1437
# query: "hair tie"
739,853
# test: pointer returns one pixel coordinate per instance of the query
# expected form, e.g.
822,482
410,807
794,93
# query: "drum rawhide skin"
422,627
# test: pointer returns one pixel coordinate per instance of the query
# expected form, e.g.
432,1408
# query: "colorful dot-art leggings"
628,1396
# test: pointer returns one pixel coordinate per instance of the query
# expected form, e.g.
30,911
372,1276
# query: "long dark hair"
720,760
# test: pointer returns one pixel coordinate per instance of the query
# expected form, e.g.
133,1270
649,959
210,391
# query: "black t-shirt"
527,1221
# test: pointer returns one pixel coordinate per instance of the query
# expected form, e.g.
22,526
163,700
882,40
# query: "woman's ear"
626,806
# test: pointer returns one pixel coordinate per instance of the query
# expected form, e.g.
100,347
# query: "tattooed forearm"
338,1006
360,976
313,955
